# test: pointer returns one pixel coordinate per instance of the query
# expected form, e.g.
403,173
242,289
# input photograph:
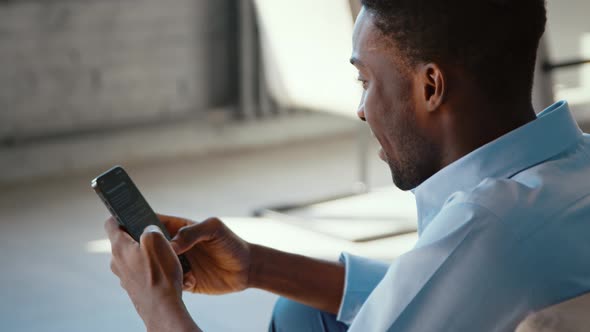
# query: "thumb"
157,250
189,236
153,236
152,229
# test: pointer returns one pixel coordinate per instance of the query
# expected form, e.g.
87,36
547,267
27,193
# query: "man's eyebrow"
355,61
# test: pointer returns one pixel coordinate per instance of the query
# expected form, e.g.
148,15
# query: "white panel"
306,47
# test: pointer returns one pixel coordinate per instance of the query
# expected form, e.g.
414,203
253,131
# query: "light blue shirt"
503,231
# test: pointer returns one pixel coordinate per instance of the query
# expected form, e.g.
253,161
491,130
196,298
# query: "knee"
290,315
293,316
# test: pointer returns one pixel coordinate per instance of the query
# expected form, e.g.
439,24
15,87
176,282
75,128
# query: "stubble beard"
415,159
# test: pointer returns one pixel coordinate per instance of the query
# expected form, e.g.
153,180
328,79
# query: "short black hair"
495,41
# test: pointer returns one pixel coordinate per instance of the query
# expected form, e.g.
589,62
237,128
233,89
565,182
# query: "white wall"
568,27
71,65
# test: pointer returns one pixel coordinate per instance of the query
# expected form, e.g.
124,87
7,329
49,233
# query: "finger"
115,232
153,239
118,237
154,243
173,224
111,227
188,236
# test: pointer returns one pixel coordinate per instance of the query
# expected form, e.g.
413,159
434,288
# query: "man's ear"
434,86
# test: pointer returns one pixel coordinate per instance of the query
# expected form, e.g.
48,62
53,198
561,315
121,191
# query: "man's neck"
475,127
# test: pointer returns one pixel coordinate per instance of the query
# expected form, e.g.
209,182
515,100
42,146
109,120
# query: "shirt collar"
554,130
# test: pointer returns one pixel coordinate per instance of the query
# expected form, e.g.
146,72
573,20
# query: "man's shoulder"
544,196
546,189
499,197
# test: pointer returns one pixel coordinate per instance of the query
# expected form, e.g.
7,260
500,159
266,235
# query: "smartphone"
127,205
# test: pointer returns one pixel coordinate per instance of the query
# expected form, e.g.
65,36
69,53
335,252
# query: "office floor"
55,279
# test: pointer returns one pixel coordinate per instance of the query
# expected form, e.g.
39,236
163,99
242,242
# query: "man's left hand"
151,274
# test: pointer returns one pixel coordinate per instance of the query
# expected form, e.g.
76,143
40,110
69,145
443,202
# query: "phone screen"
128,206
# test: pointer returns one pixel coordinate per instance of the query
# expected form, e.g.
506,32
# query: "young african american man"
503,193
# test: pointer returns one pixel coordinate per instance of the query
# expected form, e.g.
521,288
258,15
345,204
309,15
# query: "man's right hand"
221,262
219,259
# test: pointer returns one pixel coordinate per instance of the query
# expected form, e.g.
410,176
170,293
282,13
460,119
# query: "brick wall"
75,65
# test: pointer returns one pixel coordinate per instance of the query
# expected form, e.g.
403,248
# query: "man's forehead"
365,37
361,25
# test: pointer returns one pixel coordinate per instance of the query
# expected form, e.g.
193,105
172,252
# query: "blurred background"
234,108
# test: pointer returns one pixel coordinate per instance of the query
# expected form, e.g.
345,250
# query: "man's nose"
361,113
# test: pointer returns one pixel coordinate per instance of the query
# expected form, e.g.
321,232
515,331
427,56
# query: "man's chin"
400,182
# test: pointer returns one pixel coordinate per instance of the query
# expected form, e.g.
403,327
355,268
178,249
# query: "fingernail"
152,229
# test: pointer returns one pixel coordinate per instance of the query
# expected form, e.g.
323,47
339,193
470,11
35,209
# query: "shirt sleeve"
362,276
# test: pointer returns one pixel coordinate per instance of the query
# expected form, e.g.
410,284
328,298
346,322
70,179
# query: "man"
503,194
